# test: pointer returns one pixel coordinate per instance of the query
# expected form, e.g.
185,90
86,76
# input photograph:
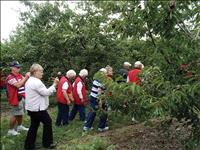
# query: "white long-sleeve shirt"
37,95
65,86
79,90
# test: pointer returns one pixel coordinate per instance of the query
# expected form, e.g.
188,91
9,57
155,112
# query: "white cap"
103,70
127,64
138,64
83,72
71,73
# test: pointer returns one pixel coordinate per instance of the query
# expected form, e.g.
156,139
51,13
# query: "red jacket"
13,91
133,76
77,100
60,97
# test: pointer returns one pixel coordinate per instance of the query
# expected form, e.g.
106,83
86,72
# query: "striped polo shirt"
95,86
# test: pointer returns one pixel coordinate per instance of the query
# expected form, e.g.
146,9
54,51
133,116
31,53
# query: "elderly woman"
36,104
80,97
133,75
64,98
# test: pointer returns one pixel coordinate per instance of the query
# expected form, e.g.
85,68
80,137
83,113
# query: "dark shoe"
65,124
51,146
36,148
58,125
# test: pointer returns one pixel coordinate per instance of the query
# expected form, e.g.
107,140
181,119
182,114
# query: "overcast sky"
10,16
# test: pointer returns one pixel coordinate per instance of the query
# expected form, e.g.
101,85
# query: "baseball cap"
15,63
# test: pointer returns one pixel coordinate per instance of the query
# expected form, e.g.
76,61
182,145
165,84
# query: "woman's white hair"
71,73
103,70
83,72
138,64
35,67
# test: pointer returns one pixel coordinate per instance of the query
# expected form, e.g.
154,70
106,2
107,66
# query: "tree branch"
153,41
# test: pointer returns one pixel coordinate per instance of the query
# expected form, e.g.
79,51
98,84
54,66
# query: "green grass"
70,137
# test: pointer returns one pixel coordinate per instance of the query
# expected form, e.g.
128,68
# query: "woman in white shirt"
36,103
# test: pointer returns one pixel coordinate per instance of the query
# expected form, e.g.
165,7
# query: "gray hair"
71,73
127,64
103,70
83,72
108,67
138,64
35,67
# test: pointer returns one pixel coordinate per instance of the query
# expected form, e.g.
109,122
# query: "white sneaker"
87,129
134,120
103,129
21,127
13,132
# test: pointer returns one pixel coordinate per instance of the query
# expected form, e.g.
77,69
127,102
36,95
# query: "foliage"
66,137
162,34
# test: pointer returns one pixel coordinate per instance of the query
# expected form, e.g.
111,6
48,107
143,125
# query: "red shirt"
60,96
13,91
133,76
77,100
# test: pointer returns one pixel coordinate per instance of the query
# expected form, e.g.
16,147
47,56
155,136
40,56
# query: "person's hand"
28,74
85,103
68,102
56,81
100,103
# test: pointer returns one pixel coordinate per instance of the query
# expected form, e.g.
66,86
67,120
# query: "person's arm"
20,83
79,90
42,90
71,97
64,91
99,90
127,79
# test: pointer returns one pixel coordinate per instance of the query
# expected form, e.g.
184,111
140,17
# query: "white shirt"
65,86
79,90
37,95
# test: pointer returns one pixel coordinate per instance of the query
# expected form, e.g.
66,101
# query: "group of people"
30,91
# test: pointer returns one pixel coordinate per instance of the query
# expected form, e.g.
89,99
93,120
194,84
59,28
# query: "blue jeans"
92,114
63,114
75,109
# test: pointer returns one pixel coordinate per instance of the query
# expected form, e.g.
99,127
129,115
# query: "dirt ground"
148,137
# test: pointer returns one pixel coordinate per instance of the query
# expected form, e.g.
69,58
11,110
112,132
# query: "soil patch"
141,136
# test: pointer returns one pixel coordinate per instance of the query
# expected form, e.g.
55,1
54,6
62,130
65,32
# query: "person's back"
133,76
124,73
